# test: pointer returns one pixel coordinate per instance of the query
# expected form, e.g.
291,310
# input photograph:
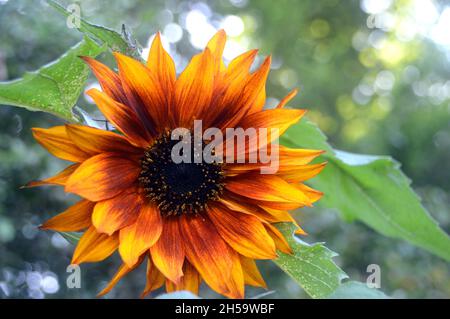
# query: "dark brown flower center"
178,188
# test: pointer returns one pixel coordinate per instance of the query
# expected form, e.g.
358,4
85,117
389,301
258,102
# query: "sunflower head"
155,196
178,188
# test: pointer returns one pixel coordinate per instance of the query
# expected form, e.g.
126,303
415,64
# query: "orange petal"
94,246
252,276
59,179
278,215
267,188
296,174
140,236
228,89
234,79
216,46
239,67
242,95
168,252
286,159
190,281
144,86
155,279
279,119
208,252
274,118
296,156
57,142
313,195
122,117
258,83
245,233
268,125
281,206
94,141
122,272
194,88
287,98
300,231
239,205
108,79
236,283
280,242
113,214
76,218
103,176
162,65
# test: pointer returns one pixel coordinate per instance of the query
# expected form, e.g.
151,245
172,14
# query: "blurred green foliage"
374,76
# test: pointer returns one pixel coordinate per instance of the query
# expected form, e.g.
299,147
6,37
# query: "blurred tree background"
374,75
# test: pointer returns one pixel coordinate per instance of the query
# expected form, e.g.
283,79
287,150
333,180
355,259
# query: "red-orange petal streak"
216,46
120,211
77,217
207,252
121,272
280,242
267,187
239,67
94,140
258,84
194,88
296,174
140,236
155,279
57,142
313,194
122,117
168,252
244,232
190,281
238,203
287,98
252,276
144,86
94,247
162,65
58,179
108,79
103,176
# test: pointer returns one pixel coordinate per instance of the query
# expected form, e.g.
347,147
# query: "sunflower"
189,222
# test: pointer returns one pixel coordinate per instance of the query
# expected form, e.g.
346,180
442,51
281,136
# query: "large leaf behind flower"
356,290
55,87
311,266
371,189
112,39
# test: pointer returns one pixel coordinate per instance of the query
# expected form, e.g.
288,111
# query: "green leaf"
356,290
71,237
311,266
55,87
306,134
112,39
371,189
